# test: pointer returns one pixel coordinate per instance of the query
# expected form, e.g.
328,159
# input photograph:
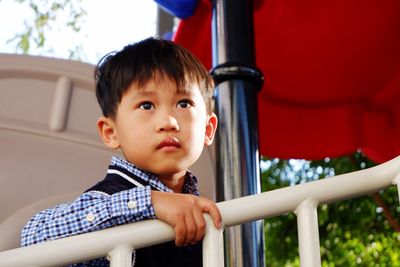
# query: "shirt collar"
190,185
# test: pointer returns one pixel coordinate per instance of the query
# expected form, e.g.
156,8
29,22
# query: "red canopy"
332,75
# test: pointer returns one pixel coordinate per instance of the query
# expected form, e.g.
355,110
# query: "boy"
156,103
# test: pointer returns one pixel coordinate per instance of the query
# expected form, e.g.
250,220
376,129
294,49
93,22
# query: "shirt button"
131,204
90,217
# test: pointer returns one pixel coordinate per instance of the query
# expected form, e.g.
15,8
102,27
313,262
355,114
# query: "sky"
109,25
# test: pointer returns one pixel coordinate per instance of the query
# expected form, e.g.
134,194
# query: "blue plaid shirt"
95,210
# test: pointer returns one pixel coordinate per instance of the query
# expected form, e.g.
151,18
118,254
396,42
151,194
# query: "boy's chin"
171,172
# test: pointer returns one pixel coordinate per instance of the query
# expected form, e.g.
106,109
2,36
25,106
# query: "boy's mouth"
169,142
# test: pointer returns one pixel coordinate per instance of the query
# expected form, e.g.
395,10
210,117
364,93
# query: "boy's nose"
168,123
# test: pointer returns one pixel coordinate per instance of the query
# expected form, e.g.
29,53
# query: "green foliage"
48,15
352,233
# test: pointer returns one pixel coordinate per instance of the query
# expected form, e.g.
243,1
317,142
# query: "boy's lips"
172,142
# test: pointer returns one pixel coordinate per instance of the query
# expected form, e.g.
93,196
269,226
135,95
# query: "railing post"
307,223
120,256
213,245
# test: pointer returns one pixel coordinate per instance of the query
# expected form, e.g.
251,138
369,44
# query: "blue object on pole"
179,8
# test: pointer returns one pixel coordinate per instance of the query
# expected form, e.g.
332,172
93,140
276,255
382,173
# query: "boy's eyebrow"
184,93
143,92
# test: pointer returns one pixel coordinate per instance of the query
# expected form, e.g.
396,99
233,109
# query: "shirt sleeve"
92,211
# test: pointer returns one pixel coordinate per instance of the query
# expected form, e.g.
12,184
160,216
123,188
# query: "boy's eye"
185,103
146,105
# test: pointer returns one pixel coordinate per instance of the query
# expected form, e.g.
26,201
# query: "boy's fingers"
180,232
200,224
191,229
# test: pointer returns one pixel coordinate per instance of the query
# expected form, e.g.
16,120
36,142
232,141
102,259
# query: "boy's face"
160,129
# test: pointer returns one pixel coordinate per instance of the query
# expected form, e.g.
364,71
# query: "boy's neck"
175,182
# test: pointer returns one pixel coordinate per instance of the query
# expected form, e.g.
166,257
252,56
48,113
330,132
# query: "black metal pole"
238,82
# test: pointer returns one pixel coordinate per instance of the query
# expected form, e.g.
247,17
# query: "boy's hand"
184,212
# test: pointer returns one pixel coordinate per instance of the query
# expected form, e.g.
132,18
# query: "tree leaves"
47,15
352,233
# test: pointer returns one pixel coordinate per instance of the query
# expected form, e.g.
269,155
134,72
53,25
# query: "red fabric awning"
332,75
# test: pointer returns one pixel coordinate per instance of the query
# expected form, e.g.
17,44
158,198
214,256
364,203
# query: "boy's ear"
211,128
108,134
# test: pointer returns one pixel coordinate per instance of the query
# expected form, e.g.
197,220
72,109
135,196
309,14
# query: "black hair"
143,61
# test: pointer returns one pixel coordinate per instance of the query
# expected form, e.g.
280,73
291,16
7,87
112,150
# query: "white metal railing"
118,243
